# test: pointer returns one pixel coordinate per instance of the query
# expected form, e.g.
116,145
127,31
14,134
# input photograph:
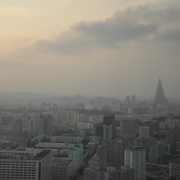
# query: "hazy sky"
109,48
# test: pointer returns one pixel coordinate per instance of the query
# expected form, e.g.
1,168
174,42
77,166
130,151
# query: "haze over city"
98,48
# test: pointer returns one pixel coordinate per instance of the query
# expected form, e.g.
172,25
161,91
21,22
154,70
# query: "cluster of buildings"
133,152
55,143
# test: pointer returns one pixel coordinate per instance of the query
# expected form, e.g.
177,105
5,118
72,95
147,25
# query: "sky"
110,48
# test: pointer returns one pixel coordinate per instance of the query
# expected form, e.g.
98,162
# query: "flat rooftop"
42,154
27,156
131,146
55,145
62,161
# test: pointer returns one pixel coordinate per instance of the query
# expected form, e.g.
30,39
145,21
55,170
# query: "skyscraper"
109,127
44,125
171,138
160,97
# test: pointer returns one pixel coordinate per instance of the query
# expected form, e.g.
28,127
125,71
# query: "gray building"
62,169
102,154
109,127
44,125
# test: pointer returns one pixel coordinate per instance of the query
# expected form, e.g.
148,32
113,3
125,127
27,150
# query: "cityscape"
103,139
90,90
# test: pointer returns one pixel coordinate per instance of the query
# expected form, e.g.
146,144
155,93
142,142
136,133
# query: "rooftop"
55,145
27,156
42,154
62,161
133,147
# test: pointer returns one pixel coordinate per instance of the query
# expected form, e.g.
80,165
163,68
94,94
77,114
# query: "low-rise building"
31,165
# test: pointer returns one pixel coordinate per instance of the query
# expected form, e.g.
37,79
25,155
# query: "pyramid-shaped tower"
160,97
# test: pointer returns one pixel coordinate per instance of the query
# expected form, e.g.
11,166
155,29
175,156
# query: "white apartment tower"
135,158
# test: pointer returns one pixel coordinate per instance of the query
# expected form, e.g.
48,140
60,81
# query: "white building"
30,164
135,158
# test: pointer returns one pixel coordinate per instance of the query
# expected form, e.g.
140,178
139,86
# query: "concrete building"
44,125
115,153
62,169
128,126
127,173
32,165
32,127
145,142
156,152
109,127
92,174
171,138
107,132
157,171
99,129
135,158
17,127
76,154
144,131
102,154
174,170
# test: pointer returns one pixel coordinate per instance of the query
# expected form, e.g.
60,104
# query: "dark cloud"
133,24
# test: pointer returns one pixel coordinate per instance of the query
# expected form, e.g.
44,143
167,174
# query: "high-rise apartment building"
98,130
44,125
156,151
17,127
171,138
128,126
102,154
144,131
135,158
32,127
115,152
109,127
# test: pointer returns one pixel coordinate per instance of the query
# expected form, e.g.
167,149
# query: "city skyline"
159,95
96,48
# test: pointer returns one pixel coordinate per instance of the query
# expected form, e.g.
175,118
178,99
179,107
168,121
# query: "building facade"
30,165
135,158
